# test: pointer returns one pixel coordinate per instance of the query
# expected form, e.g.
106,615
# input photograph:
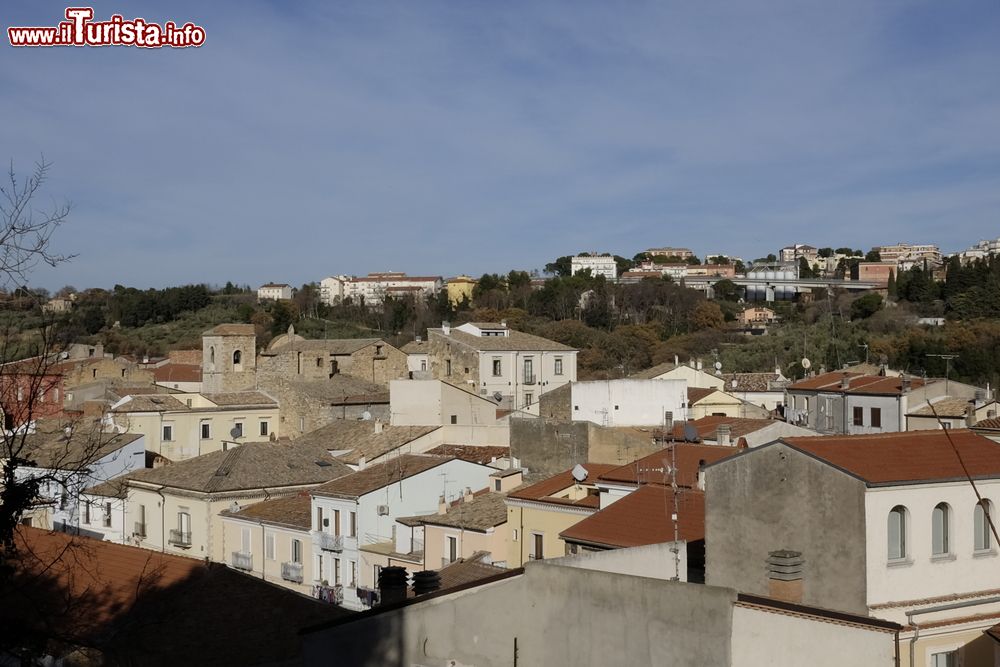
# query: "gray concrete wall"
555,404
553,615
775,498
655,561
555,445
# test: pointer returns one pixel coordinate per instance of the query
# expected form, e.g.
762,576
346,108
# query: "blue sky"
446,137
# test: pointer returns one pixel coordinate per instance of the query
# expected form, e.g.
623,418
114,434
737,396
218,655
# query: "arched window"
211,358
237,356
940,519
897,533
980,521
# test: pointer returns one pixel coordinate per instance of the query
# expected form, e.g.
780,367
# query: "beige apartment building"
537,514
271,541
183,426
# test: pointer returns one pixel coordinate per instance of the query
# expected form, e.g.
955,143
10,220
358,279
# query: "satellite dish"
718,365
366,416
234,506
690,433
235,433
806,364
579,473
497,396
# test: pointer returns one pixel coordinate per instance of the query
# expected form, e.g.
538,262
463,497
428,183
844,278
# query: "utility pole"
947,366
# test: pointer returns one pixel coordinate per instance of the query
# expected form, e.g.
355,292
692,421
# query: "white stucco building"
362,508
493,360
374,287
274,291
599,265
628,402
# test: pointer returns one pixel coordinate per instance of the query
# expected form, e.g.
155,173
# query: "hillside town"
500,334
388,497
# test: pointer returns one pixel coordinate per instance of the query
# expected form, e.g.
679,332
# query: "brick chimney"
784,575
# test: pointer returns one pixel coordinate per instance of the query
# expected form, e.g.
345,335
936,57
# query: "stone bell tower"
229,359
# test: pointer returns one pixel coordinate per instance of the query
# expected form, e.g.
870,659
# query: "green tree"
562,267
866,306
873,255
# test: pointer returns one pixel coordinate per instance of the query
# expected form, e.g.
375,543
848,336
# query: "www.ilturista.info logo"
80,30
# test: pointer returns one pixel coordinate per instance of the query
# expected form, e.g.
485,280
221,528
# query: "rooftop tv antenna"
947,366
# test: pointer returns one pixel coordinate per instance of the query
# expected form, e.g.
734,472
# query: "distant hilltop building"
274,291
599,265
792,253
459,288
981,250
374,287
907,255
683,253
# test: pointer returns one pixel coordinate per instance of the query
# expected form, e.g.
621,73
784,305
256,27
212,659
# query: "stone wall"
107,369
555,445
557,404
464,360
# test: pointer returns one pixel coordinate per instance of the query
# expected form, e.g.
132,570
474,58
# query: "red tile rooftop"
906,457
643,517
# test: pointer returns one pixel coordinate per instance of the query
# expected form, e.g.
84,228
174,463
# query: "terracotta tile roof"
49,447
292,511
231,330
544,490
858,383
242,398
468,570
129,605
254,465
330,346
481,513
643,517
476,453
708,426
515,340
906,457
696,394
947,406
360,440
378,476
753,381
177,373
339,390
416,347
654,372
151,403
688,458
991,423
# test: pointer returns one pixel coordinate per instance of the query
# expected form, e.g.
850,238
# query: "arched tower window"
211,358
981,523
237,356
940,528
897,533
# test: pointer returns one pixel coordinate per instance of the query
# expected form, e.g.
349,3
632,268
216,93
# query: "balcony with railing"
332,594
328,542
292,572
180,538
139,530
242,560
